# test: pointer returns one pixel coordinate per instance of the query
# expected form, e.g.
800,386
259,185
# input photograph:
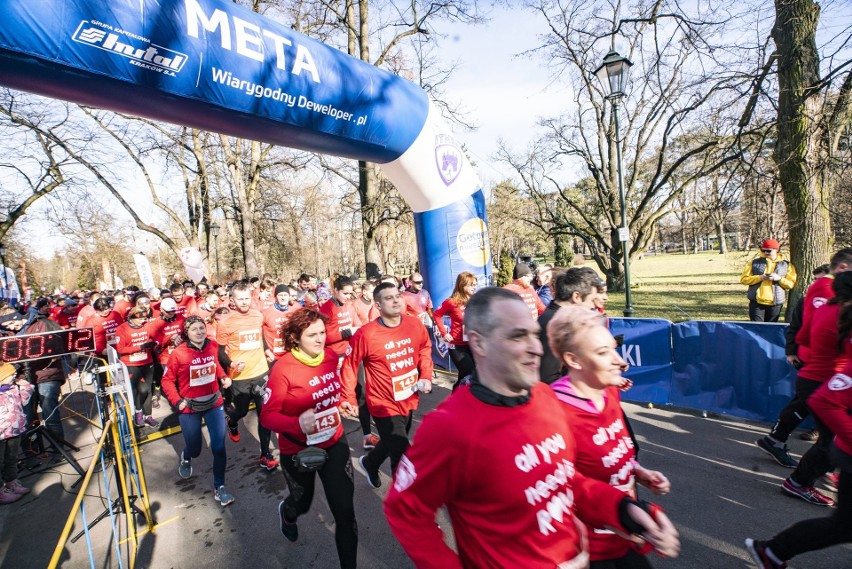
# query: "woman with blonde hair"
590,392
456,337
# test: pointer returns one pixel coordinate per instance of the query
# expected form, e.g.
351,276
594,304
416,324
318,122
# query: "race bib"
278,346
111,340
404,386
249,340
138,357
325,425
202,374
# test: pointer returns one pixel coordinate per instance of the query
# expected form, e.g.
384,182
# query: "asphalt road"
724,490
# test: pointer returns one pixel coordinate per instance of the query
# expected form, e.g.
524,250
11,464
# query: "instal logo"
138,50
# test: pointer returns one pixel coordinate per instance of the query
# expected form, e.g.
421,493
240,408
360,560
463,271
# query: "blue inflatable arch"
212,65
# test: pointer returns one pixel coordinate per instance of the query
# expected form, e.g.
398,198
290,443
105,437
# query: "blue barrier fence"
735,368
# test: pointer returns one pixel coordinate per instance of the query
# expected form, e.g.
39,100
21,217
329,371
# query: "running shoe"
151,422
233,432
17,488
290,530
809,436
757,549
370,441
184,468
807,493
372,477
223,496
832,479
268,462
780,454
7,496
138,419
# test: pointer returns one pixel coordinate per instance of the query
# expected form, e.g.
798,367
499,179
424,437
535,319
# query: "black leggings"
463,360
819,533
339,487
243,393
361,396
816,462
393,441
140,381
795,411
632,560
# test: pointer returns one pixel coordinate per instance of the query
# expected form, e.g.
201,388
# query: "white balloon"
193,263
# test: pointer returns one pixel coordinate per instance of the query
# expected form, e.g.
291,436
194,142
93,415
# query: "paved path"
724,489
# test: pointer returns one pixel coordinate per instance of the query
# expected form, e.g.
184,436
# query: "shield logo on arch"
448,158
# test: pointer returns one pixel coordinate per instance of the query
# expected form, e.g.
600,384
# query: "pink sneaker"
16,487
7,496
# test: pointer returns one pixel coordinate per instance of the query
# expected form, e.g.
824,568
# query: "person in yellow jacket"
768,278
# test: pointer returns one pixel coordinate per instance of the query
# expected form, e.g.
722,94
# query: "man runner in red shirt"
500,454
397,357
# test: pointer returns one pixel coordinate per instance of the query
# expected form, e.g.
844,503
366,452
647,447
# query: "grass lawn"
681,287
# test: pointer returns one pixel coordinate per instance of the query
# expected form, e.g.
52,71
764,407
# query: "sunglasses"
767,251
416,282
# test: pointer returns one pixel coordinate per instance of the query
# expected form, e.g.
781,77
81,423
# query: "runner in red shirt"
67,317
206,305
606,450
522,286
456,338
418,301
191,384
87,310
397,356
185,302
500,456
364,305
796,411
167,330
134,347
341,317
274,319
303,404
105,321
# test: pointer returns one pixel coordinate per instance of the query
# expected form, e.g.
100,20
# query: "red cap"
770,244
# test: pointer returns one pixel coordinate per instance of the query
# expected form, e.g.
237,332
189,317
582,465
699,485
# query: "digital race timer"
46,345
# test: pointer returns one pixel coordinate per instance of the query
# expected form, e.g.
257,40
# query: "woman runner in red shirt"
134,347
303,404
456,337
605,447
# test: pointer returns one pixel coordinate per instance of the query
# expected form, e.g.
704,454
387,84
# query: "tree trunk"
367,191
720,234
807,189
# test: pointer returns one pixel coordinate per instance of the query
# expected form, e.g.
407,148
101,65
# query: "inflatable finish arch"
212,65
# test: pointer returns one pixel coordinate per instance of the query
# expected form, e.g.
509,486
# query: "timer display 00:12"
46,345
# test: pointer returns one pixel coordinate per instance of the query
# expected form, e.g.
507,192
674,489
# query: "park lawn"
681,287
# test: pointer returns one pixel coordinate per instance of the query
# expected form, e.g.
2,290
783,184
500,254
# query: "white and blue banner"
213,65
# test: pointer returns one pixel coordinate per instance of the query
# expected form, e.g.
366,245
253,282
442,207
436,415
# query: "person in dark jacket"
577,286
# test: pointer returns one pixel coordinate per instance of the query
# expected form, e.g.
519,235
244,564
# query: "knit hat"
770,244
521,270
7,371
282,288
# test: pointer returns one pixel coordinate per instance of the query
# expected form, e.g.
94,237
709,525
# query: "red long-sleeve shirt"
68,319
128,346
340,318
529,296
394,360
164,333
192,373
823,360
605,452
523,517
104,329
832,403
293,388
456,314
367,311
273,322
186,306
820,292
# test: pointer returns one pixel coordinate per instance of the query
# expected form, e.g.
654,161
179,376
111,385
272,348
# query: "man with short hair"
67,317
397,356
578,286
500,456
768,277
418,301
274,319
522,286
242,353
185,302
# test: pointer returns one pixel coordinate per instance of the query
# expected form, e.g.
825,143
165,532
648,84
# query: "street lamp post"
214,229
613,74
